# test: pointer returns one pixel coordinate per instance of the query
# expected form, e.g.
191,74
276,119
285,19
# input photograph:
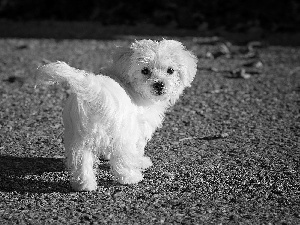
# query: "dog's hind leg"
82,172
79,160
78,150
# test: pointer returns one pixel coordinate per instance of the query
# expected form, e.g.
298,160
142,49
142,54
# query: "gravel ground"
228,152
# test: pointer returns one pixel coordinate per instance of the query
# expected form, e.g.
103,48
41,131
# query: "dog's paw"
145,163
130,177
84,186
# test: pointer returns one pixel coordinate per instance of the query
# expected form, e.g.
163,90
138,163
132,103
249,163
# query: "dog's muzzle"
158,88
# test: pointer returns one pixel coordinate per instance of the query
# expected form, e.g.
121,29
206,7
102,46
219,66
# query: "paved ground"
228,152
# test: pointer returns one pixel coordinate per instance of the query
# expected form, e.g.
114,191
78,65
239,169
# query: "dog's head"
158,71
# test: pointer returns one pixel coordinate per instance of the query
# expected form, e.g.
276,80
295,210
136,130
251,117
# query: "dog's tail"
60,72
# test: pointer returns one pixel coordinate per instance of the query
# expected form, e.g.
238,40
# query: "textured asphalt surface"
228,152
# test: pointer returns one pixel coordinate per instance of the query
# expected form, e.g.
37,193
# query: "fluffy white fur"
116,114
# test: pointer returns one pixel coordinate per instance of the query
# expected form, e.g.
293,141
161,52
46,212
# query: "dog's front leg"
145,162
128,162
125,162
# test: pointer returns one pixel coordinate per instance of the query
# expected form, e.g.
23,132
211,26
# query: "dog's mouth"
158,88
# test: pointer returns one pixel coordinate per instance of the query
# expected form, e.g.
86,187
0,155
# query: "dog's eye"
170,70
145,71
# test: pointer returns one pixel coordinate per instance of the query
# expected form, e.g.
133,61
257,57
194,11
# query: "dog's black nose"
159,87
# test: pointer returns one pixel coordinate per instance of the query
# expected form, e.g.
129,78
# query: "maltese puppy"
115,114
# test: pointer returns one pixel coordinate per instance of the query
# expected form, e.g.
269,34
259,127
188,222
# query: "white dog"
115,115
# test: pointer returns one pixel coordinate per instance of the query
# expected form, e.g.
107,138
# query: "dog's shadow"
28,174
25,174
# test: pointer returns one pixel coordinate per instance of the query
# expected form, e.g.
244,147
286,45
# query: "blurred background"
200,15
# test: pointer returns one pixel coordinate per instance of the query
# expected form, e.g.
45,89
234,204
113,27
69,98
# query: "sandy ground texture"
228,152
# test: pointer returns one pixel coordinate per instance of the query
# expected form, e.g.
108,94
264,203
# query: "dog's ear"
189,69
187,60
